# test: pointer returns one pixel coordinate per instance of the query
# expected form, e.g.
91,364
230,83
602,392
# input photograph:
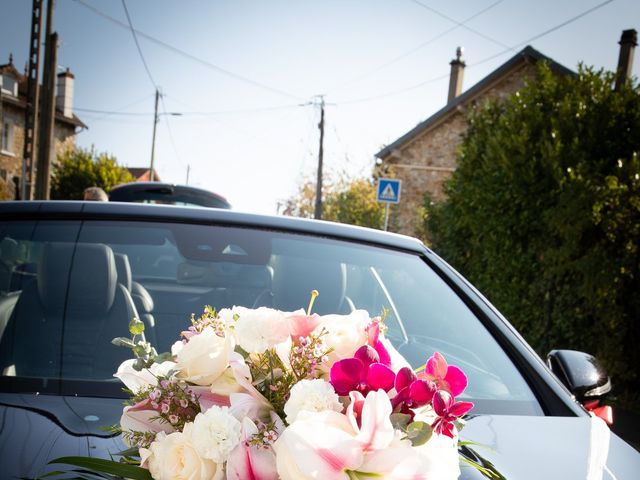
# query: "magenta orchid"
363,373
448,410
446,377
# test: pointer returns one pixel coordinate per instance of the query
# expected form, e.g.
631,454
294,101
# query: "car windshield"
68,287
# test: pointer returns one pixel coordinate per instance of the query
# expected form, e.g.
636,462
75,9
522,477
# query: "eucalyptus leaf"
419,433
136,326
123,342
400,420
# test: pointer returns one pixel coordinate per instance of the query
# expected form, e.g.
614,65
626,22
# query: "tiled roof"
526,54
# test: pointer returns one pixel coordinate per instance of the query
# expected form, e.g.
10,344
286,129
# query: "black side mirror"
581,373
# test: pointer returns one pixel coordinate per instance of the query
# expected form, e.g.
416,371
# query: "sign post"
388,192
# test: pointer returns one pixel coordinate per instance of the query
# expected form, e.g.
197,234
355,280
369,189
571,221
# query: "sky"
246,76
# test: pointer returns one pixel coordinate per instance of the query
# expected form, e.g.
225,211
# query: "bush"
79,169
543,215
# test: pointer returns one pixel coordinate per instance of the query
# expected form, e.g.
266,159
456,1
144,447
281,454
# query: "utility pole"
46,143
318,209
188,169
153,139
32,105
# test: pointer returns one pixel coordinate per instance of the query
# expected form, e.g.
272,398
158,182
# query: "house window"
7,138
9,85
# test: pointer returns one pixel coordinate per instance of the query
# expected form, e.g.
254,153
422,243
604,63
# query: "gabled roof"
143,174
20,100
11,69
527,54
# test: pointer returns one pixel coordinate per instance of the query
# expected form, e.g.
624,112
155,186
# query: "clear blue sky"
255,62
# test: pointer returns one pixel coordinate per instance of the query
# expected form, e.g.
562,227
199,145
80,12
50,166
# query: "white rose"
216,433
311,396
136,380
173,457
260,329
204,357
346,333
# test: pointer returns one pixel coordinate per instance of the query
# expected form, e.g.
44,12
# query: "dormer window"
9,85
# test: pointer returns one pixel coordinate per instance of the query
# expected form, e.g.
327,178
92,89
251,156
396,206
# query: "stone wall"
11,163
428,160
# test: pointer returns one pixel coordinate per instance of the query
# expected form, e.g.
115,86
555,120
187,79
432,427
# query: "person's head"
96,194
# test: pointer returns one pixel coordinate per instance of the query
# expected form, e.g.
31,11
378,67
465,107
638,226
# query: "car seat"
63,322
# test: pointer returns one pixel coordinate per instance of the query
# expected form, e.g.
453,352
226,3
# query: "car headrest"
92,280
123,268
8,251
294,278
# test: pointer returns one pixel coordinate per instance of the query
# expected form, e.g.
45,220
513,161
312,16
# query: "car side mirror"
581,373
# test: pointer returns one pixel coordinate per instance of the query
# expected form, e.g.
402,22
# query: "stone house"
425,157
13,88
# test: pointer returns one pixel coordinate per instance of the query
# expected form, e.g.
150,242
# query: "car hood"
37,428
520,447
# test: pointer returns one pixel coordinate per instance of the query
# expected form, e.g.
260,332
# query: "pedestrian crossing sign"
388,190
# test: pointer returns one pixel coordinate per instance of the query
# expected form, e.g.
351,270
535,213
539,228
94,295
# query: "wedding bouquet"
264,394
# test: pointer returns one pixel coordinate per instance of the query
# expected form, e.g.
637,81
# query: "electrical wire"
189,56
415,49
475,64
173,143
462,24
135,39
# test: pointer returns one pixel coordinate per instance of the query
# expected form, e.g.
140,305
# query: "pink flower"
373,340
251,462
363,373
446,377
447,410
300,324
411,392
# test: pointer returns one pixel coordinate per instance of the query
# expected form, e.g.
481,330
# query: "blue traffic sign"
388,190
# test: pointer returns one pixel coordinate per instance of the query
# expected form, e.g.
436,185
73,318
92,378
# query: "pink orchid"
447,410
362,373
373,339
411,391
446,377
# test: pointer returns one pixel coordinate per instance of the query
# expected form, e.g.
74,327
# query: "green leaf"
419,433
400,420
106,466
136,326
123,342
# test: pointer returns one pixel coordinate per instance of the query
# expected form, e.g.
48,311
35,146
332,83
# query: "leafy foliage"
81,168
543,215
345,201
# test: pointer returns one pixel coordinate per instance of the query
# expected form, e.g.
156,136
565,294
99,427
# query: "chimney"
628,42
64,95
457,74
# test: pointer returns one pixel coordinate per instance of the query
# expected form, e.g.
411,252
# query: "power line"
182,53
419,47
135,39
173,143
197,113
475,64
462,24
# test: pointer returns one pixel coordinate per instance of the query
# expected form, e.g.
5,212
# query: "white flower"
311,396
174,456
216,433
204,357
346,333
136,380
260,329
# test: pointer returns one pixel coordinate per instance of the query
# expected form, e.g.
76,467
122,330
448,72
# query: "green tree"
78,169
345,201
543,215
